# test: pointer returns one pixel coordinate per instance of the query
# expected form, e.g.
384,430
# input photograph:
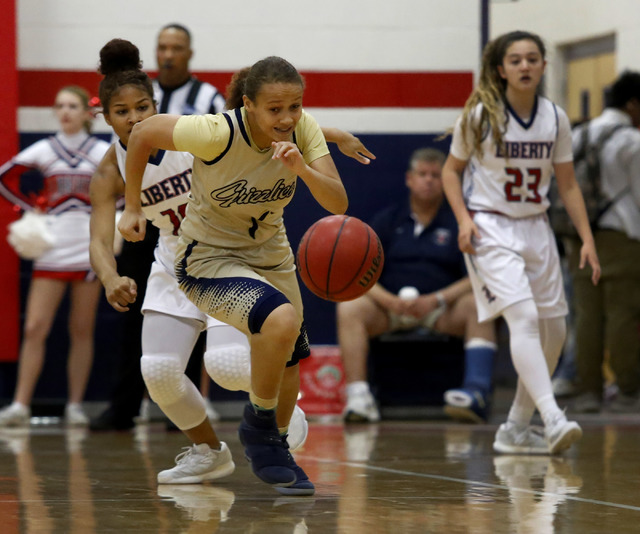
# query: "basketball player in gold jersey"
234,260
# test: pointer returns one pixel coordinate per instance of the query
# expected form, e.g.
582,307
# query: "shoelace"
183,456
526,435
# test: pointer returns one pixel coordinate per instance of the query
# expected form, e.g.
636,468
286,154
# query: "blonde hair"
83,95
490,92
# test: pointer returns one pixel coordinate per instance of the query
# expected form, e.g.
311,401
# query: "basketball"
339,258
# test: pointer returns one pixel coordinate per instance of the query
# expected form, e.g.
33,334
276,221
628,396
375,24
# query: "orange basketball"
340,258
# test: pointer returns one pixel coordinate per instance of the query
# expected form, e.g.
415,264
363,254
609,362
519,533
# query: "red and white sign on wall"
322,382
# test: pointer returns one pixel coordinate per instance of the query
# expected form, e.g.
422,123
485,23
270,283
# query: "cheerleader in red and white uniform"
66,162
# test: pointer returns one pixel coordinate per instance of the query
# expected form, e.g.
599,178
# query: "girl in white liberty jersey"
234,260
505,148
171,323
66,161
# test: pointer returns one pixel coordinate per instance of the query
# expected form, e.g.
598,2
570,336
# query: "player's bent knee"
282,326
163,375
229,366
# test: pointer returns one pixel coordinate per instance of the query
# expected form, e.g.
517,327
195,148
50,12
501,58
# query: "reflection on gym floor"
398,477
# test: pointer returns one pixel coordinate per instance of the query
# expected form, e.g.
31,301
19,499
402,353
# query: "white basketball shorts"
163,295
516,259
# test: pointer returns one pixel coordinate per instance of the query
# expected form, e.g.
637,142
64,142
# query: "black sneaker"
264,448
302,485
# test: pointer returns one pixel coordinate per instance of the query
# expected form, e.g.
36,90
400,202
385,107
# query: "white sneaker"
212,414
361,407
511,439
200,501
74,416
561,434
298,429
197,464
15,415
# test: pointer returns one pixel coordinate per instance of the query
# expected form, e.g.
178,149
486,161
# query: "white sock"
527,355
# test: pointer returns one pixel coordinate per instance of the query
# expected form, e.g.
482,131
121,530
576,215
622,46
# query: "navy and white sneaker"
302,485
265,449
467,405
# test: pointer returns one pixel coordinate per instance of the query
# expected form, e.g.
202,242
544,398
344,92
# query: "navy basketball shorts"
241,287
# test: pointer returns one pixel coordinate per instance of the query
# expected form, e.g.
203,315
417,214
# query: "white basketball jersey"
165,188
514,180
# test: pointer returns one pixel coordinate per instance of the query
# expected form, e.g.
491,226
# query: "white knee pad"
163,375
229,366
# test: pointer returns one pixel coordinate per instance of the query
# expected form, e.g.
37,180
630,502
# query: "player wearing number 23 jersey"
514,179
506,147
507,184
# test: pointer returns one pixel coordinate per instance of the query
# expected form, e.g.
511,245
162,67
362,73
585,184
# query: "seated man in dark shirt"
419,237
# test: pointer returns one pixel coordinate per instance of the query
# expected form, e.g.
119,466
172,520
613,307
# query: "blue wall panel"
370,188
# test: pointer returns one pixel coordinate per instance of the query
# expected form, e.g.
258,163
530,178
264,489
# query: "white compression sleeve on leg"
526,353
167,343
552,336
228,358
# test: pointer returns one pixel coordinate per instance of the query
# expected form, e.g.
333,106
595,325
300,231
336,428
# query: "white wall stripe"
356,120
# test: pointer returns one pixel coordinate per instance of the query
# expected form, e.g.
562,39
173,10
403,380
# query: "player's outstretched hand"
132,224
351,146
120,292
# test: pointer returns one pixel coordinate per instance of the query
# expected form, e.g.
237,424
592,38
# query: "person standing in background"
66,160
608,315
506,147
176,90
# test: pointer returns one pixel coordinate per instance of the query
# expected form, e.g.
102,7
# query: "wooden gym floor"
398,477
